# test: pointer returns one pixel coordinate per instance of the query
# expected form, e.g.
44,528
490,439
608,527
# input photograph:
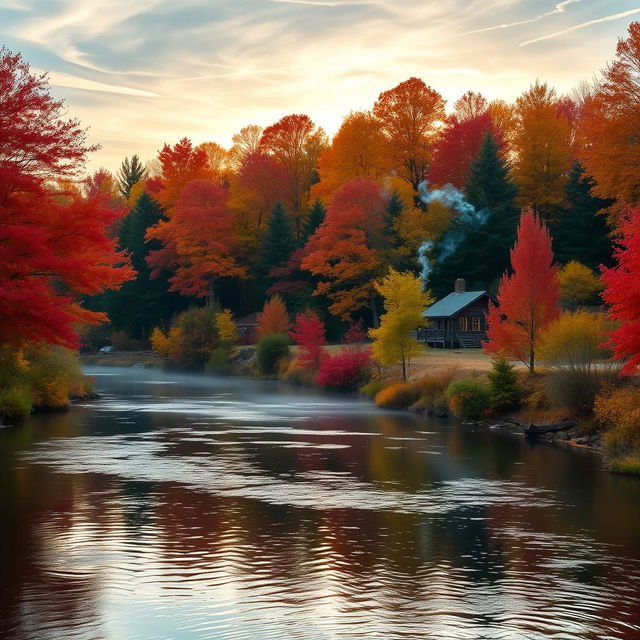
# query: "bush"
191,340
468,398
16,401
370,389
505,394
55,377
219,361
301,376
271,347
347,370
573,389
433,389
619,411
400,395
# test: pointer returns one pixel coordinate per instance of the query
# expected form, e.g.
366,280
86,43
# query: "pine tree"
278,244
143,303
315,219
483,253
130,172
504,389
580,230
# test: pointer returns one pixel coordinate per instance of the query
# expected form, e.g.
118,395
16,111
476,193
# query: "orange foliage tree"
622,292
345,250
528,298
358,150
296,143
541,143
274,317
409,115
198,240
610,123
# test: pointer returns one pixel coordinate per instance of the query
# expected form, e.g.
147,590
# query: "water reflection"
185,507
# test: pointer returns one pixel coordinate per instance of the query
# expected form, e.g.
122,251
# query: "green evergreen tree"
314,219
278,244
505,393
130,172
579,230
144,303
482,252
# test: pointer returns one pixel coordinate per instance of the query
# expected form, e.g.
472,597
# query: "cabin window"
463,323
475,323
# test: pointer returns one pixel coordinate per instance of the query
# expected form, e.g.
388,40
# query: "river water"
184,507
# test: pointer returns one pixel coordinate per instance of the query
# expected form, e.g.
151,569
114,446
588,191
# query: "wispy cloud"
559,8
74,82
582,25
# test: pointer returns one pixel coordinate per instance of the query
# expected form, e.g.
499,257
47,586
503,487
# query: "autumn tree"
245,143
53,250
296,143
274,317
578,284
131,172
404,304
309,334
344,251
180,165
622,293
541,143
358,150
610,123
197,239
409,115
227,329
527,298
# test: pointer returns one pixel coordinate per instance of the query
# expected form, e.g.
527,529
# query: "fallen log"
533,430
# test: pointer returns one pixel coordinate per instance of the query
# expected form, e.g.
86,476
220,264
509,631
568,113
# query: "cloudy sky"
143,72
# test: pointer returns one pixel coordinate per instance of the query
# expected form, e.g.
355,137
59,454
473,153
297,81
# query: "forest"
536,201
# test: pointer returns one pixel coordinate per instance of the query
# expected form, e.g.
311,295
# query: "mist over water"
187,507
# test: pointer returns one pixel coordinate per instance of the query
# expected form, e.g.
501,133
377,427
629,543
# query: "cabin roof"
453,303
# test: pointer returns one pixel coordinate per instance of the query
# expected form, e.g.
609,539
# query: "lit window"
475,323
463,323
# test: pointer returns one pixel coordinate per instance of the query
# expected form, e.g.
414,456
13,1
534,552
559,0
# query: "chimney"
460,286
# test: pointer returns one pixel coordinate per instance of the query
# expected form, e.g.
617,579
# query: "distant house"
459,319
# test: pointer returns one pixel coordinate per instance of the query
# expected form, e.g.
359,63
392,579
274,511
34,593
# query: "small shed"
459,319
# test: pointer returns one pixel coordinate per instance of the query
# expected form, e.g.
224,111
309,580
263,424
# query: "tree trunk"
374,311
404,369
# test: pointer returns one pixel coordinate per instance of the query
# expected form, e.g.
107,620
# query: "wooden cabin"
459,320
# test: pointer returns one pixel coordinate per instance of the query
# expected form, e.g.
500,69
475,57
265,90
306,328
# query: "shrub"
573,389
468,398
219,361
16,401
619,411
505,394
271,347
227,329
355,334
347,370
297,375
433,388
370,389
191,339
55,376
308,333
400,395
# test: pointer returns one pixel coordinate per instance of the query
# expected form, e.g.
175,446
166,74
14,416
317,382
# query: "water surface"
185,507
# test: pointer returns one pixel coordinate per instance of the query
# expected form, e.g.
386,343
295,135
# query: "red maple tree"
623,293
528,298
308,333
53,244
198,240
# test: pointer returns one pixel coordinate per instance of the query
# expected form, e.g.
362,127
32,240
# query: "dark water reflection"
184,507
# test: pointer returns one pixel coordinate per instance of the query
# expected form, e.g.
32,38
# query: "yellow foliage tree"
227,330
541,142
404,303
574,341
578,283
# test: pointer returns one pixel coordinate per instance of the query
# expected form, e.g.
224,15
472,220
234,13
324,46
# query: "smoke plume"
469,218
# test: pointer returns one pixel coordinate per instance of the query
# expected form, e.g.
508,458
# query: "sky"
143,73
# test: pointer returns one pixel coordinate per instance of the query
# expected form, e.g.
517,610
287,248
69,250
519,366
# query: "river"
183,507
